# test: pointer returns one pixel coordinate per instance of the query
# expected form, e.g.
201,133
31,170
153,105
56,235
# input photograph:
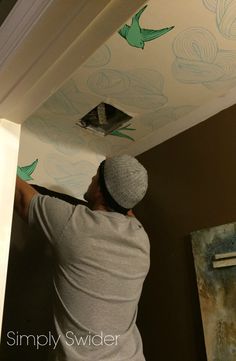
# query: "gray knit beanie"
126,180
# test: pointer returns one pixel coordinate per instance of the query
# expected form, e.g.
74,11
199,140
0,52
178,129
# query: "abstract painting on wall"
214,252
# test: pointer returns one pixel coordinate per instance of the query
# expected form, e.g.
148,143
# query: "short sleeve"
49,215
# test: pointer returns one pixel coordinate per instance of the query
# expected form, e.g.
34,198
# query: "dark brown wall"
192,182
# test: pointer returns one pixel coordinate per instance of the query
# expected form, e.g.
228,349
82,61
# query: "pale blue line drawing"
210,4
196,72
196,44
100,58
108,82
60,104
54,121
225,11
139,88
72,176
200,61
227,61
56,132
165,115
26,171
68,101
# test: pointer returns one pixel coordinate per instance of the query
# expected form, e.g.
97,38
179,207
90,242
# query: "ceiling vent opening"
104,119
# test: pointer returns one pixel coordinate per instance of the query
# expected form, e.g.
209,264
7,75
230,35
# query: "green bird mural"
25,172
118,133
136,36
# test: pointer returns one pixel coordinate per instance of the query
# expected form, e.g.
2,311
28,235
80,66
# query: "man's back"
101,260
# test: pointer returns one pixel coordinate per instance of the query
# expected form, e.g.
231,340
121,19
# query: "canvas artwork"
214,252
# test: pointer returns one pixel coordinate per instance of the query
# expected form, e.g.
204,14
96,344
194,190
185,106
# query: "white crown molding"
18,24
51,47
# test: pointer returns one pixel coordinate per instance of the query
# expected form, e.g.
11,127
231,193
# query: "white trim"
9,145
71,31
18,24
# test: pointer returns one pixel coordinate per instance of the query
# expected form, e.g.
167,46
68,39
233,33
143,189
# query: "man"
101,255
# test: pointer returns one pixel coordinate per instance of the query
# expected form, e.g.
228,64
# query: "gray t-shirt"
101,261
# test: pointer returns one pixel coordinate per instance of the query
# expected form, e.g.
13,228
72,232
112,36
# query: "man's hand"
23,195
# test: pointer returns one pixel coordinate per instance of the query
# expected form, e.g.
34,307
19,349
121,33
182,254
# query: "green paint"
136,36
118,133
25,172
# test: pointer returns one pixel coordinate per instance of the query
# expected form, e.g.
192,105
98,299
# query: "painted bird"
25,172
136,36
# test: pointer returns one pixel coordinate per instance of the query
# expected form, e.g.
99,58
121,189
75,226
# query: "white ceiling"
174,82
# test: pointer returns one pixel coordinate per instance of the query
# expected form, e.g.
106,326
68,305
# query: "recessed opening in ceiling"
104,119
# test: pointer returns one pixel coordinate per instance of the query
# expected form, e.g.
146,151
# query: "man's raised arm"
23,195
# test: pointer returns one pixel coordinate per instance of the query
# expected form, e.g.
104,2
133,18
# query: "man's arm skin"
23,195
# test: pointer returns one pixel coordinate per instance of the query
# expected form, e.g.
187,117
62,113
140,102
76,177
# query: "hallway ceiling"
173,68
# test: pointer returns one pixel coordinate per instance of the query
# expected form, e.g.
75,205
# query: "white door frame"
9,144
